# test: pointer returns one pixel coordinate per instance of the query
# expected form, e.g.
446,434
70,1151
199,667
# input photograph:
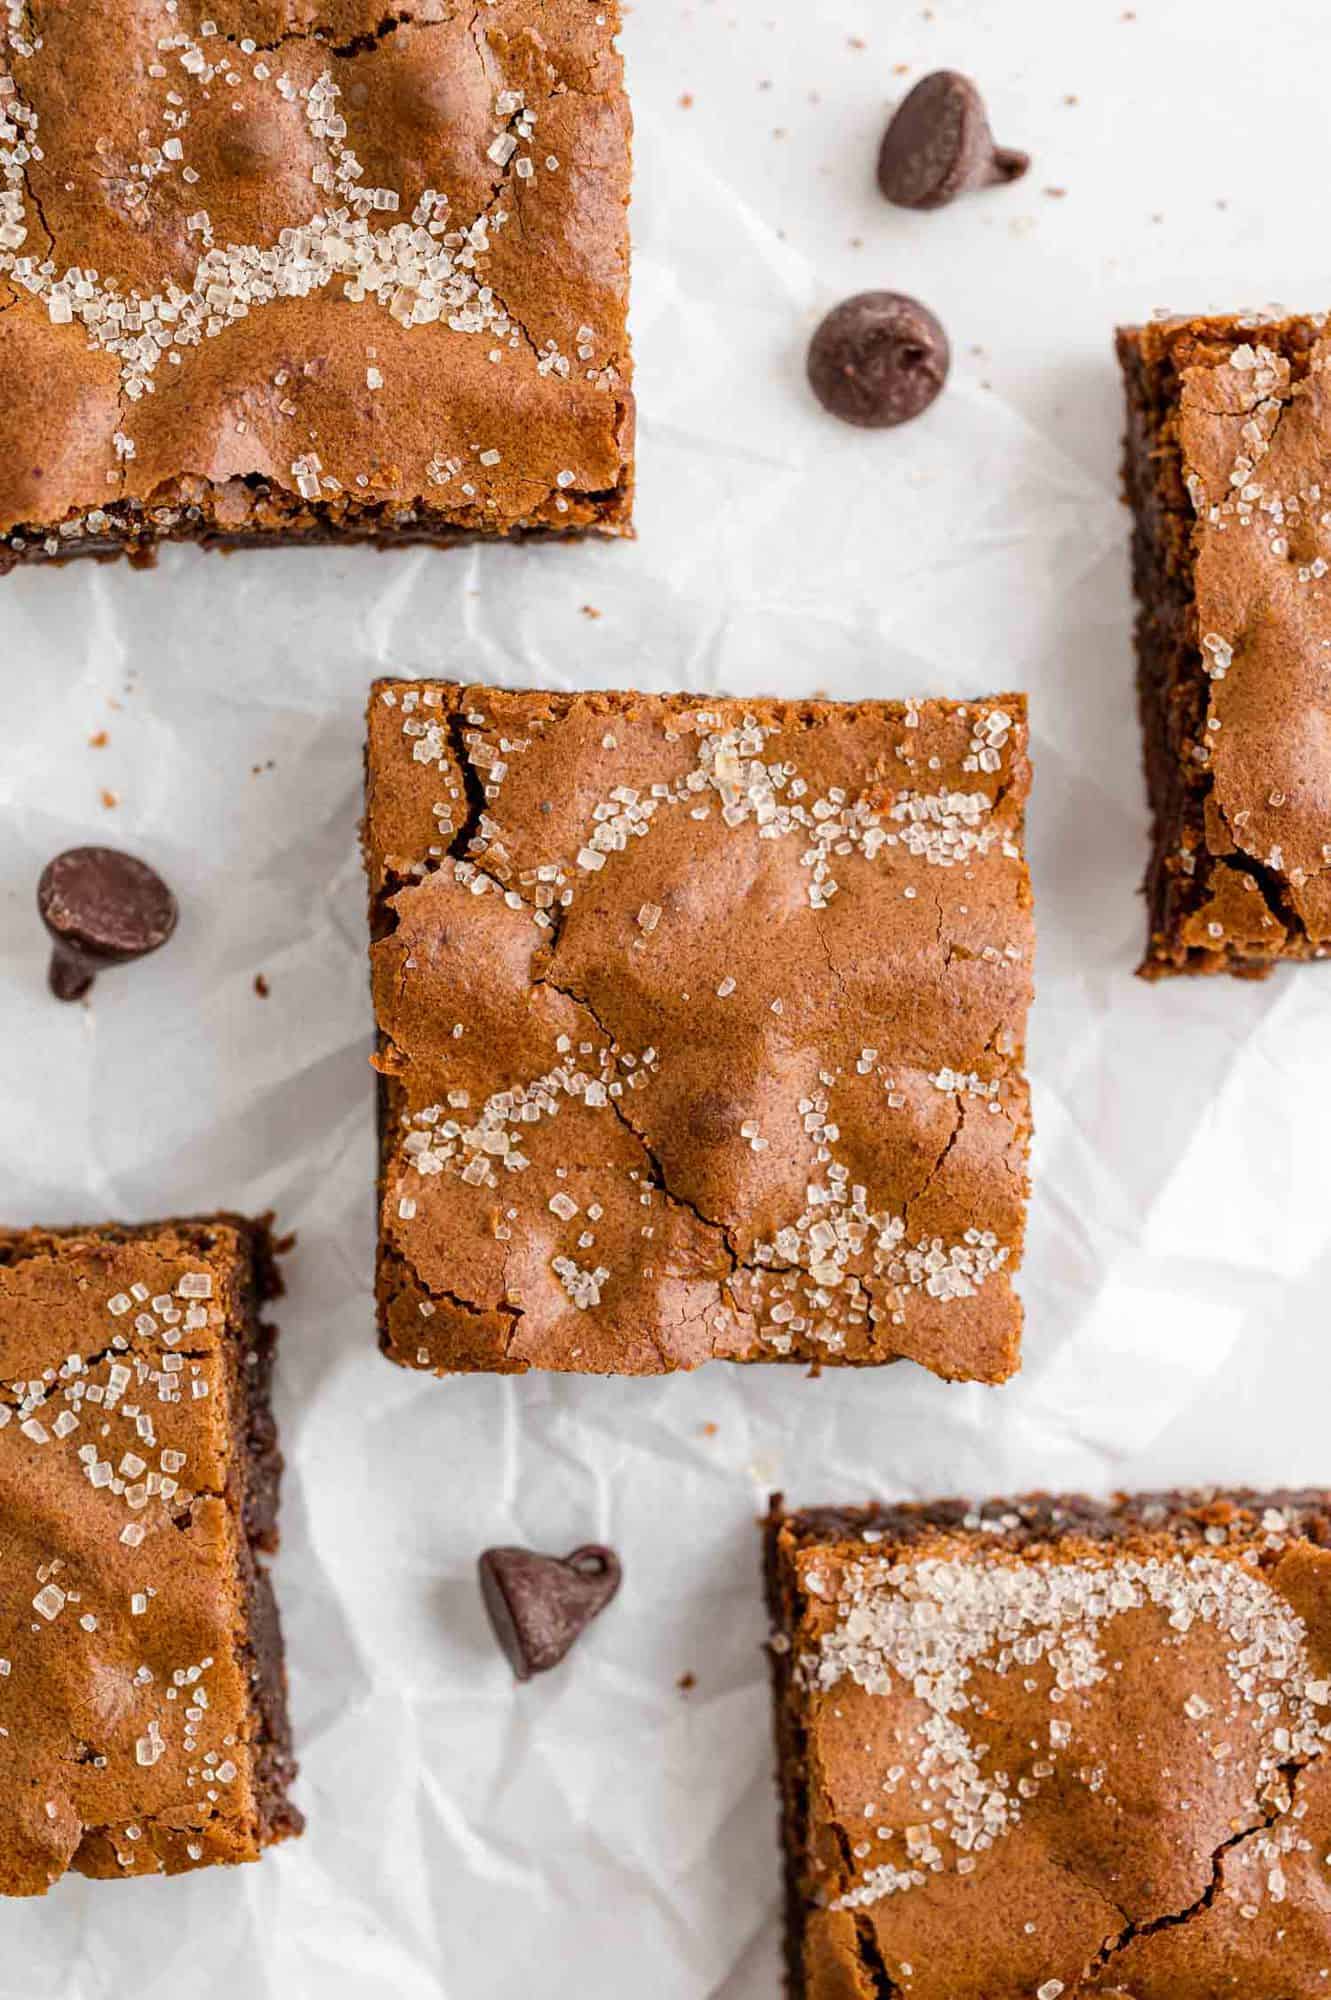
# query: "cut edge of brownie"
1012,1526
301,525
790,1741
1172,682
250,1356
1033,1519
275,1764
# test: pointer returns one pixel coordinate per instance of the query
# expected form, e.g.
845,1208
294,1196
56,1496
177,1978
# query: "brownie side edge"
1171,679
791,1746
275,1764
1033,1520
296,524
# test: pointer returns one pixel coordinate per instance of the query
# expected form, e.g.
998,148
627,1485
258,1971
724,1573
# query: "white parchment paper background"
602,1833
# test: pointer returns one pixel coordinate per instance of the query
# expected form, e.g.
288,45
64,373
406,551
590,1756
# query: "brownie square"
1228,472
1050,1747
700,1029
274,274
143,1725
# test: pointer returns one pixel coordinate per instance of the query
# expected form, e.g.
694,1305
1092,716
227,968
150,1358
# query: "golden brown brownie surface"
291,270
142,1700
1049,1749
701,1029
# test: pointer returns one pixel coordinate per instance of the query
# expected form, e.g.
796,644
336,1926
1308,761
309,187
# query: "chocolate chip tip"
1009,164
938,145
68,976
538,1605
100,907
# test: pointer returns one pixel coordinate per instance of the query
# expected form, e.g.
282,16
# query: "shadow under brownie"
266,281
1048,1747
701,1029
1228,472
143,1724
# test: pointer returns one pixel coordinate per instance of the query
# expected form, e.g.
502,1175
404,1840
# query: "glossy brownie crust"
1055,1747
143,1720
303,271
701,1028
1228,473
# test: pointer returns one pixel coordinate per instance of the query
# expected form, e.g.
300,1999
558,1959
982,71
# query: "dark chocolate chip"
539,1604
879,359
939,144
102,908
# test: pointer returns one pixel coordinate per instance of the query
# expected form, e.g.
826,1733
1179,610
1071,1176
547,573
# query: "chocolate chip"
102,908
539,1605
879,359
939,144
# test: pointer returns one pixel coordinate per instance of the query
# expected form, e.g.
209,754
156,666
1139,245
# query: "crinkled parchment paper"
603,1831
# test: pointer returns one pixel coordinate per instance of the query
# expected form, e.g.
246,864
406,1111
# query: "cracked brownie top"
137,1466
701,1029
1230,471
287,264
1044,1749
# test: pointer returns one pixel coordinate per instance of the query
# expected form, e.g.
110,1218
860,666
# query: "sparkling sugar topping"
731,778
839,1261
419,270
923,1631
104,1422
